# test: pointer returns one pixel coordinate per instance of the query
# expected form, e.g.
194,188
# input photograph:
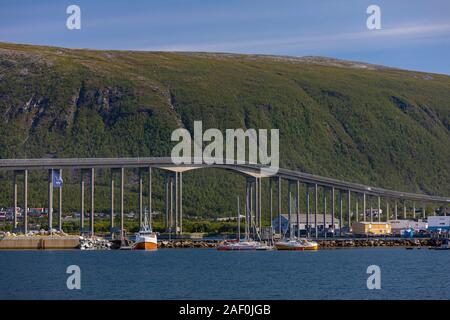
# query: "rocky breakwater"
363,243
34,233
94,243
188,244
323,244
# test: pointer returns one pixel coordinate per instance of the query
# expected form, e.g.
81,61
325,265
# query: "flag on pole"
56,179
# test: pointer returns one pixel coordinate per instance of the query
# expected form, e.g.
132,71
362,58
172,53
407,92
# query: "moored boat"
237,245
146,239
297,244
247,243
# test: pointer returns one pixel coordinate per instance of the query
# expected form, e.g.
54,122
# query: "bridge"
173,188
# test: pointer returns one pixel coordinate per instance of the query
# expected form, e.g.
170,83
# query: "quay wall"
46,242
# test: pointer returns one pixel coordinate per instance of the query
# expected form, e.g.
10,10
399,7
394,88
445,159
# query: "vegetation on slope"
367,124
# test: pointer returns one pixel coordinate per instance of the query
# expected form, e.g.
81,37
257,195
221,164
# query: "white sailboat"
294,243
247,243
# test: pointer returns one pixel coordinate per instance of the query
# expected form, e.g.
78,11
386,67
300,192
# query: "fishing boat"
297,244
146,239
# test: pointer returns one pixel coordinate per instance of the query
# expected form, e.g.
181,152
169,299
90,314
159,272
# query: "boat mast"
149,218
146,224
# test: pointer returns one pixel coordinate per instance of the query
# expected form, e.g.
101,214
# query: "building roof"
368,222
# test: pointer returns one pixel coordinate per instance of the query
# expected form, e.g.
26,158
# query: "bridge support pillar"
166,202
404,209
289,199
150,210
111,205
325,228
25,201
122,182
180,197
170,204
91,215
50,200
316,231
254,205
140,197
308,211
246,210
60,204
279,206
332,209
14,213
371,209
356,208
379,209
349,210
341,223
259,204
297,202
271,206
81,202
176,202
388,214
395,210
150,192
414,210
364,207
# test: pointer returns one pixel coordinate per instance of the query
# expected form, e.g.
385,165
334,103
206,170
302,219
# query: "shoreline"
323,244
97,243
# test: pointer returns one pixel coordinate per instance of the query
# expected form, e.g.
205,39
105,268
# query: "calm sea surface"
211,274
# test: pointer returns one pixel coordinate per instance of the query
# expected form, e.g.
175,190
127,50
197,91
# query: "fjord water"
210,274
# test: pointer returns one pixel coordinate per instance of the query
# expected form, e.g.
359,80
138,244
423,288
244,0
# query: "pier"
353,193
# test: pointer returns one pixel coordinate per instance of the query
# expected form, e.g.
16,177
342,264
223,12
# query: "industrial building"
439,223
302,222
397,226
371,228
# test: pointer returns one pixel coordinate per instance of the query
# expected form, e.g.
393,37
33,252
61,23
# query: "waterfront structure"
347,192
397,226
364,228
439,223
301,225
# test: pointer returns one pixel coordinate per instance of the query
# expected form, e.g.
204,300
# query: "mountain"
360,122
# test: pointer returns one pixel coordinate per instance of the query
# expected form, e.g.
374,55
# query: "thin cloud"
321,41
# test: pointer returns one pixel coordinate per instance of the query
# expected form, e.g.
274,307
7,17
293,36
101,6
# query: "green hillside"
363,123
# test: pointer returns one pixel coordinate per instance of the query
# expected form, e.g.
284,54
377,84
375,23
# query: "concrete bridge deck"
250,169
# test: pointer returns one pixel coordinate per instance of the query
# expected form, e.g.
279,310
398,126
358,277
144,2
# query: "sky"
414,34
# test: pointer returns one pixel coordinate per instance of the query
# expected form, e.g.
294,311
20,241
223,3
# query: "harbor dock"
39,242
